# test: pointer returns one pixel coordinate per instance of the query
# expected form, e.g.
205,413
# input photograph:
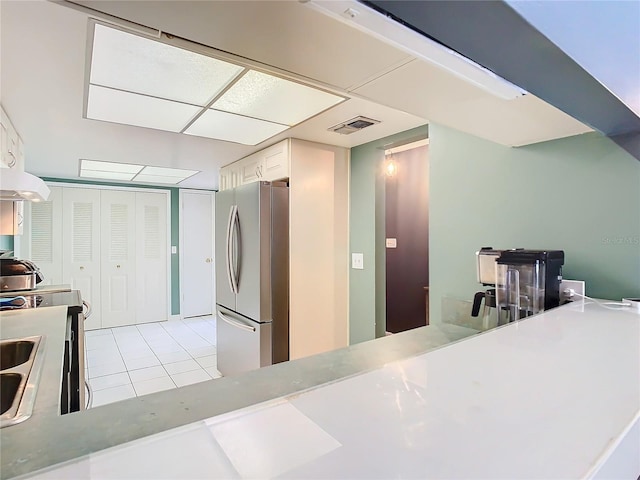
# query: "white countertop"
553,396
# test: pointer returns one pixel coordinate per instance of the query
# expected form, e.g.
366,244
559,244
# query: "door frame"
381,249
181,193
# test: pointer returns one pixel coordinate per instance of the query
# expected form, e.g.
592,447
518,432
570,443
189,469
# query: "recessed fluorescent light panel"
233,128
139,110
163,175
140,81
274,99
133,173
137,64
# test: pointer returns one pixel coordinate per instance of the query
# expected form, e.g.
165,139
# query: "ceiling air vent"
353,125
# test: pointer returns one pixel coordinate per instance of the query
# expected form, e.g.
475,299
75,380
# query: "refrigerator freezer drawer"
242,344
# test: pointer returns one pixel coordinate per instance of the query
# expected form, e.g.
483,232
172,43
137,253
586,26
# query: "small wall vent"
353,125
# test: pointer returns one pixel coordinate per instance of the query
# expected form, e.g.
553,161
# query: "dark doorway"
407,237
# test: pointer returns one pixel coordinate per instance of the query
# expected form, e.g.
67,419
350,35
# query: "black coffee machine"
526,282
486,275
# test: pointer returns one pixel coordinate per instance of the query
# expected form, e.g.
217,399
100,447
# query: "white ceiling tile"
456,103
234,128
274,99
138,64
139,110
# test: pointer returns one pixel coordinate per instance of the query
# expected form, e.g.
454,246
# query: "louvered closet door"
152,257
81,247
45,236
118,227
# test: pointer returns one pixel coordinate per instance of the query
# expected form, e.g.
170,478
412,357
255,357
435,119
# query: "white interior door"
152,252
118,221
81,247
197,272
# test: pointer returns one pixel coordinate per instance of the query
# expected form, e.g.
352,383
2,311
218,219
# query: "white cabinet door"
269,164
275,162
45,236
20,160
152,293
10,141
118,229
198,290
4,143
81,247
11,217
224,182
250,169
230,176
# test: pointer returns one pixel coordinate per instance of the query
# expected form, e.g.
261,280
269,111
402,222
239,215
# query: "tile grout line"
144,341
197,333
156,357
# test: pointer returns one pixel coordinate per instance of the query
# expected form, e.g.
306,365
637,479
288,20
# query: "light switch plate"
391,243
174,249
357,261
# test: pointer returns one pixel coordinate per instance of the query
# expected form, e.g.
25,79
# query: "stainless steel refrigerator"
252,276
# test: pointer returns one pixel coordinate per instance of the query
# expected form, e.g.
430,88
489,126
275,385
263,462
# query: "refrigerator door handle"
235,253
235,323
228,253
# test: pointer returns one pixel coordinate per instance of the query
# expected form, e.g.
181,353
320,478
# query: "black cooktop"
33,299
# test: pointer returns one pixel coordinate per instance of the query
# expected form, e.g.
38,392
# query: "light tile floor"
135,360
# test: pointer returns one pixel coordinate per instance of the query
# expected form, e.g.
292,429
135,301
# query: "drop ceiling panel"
284,34
234,128
133,63
391,122
432,93
274,99
133,109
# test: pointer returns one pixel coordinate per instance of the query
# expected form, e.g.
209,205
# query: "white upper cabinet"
275,161
12,151
267,165
251,169
229,176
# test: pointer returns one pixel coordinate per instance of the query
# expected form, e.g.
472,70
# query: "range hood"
16,185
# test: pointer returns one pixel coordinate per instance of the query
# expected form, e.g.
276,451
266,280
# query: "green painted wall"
6,242
175,233
366,225
580,194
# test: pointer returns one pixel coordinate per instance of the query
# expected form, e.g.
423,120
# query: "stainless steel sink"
20,365
9,386
13,353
